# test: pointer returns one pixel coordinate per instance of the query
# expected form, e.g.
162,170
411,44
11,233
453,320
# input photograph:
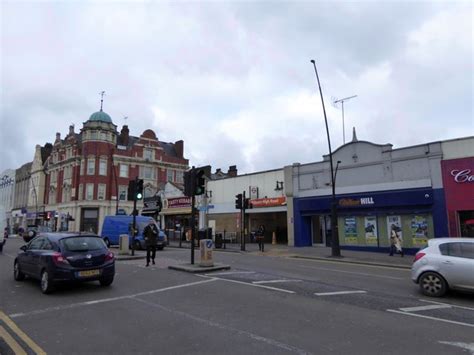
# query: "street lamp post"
335,249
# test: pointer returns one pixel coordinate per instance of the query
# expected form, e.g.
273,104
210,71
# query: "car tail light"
109,256
59,259
418,256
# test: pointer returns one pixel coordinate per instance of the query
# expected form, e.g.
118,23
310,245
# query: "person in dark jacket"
150,233
261,237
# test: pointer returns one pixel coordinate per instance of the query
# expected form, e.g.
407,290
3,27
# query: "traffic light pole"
242,246
193,215
134,223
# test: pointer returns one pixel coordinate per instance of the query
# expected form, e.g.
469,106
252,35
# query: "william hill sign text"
354,202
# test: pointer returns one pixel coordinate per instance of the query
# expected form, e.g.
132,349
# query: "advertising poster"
394,225
350,230
371,234
419,231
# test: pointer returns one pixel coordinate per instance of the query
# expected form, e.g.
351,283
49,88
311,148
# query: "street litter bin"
206,246
218,241
123,244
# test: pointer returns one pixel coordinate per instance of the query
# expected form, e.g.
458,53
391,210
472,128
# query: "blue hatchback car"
54,257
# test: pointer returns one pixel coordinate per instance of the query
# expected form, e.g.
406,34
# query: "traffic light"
200,182
188,183
247,204
139,189
238,201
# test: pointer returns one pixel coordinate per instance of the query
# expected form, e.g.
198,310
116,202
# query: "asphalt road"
263,305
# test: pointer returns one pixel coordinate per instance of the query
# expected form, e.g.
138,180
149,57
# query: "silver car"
446,263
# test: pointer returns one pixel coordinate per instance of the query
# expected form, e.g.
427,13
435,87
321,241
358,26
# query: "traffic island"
196,268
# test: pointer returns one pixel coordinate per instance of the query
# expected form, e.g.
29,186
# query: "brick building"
87,173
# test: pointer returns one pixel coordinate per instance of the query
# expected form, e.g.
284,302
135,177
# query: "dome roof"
100,116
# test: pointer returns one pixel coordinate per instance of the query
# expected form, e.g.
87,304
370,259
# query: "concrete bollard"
274,238
123,244
206,246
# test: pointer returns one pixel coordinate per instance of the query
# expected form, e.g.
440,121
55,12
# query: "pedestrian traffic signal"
139,189
238,201
200,182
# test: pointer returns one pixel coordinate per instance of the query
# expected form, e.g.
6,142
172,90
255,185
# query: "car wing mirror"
24,248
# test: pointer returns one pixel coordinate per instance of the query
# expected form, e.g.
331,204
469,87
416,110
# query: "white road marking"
338,293
250,284
448,304
352,272
424,308
466,346
88,303
230,329
273,281
432,318
231,273
353,263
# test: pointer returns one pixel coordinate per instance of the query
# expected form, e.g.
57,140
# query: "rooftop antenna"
102,93
125,118
342,103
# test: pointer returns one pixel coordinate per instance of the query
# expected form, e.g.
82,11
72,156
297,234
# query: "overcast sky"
234,79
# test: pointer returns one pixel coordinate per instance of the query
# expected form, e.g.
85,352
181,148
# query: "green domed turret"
100,116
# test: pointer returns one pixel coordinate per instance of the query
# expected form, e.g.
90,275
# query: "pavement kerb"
351,261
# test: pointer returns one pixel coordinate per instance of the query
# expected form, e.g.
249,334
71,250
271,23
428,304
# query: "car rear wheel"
17,274
106,281
46,282
433,284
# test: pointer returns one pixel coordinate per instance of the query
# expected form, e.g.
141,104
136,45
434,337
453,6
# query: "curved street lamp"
335,248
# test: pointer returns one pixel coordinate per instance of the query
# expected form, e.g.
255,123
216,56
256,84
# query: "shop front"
176,215
458,183
271,213
365,220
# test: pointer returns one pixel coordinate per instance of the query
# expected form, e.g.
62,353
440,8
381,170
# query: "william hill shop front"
365,220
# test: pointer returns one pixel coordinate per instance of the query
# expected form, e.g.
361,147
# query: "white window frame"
91,166
123,189
123,170
148,154
146,169
94,135
179,176
168,176
103,167
101,190
83,164
89,192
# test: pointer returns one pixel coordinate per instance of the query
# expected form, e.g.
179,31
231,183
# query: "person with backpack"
150,234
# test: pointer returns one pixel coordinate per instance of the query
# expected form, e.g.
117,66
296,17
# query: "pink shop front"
458,182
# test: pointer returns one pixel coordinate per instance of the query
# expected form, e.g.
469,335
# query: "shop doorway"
466,222
318,231
90,220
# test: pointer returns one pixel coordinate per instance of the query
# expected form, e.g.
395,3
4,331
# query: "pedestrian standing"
261,237
150,234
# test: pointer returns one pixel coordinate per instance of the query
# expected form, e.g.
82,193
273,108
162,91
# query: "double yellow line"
11,342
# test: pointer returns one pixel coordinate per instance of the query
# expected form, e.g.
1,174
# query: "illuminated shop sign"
179,202
355,202
268,202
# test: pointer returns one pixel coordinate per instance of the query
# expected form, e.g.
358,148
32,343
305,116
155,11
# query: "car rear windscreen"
76,244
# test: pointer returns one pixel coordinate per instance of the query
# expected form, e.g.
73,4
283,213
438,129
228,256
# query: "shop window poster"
394,226
350,230
419,231
371,234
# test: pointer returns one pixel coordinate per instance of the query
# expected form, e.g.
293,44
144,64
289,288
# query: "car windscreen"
76,244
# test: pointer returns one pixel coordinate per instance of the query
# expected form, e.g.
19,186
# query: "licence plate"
89,273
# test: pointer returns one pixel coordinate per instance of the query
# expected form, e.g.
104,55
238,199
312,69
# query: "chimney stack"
71,130
124,135
232,172
179,148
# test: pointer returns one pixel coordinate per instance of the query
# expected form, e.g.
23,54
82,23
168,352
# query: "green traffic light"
139,196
